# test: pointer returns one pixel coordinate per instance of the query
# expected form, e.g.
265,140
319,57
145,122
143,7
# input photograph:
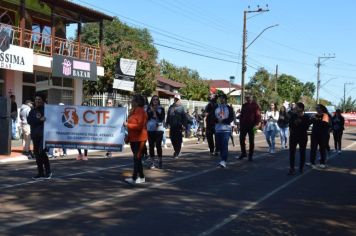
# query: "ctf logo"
70,117
4,40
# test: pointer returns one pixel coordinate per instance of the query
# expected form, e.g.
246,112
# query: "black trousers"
251,137
137,149
293,142
155,140
321,141
211,138
85,152
337,139
42,160
175,134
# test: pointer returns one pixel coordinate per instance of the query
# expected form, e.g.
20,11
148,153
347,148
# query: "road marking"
268,195
114,197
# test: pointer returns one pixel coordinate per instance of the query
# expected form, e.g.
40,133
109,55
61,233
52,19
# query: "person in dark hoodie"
36,120
338,126
250,117
155,130
224,115
320,135
298,127
176,120
210,125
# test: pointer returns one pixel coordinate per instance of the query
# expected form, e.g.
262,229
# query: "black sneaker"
160,164
242,156
48,175
291,172
250,159
38,177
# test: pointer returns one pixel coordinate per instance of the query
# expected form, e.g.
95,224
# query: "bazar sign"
68,67
84,127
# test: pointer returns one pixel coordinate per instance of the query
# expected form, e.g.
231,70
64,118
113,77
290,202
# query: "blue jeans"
284,136
222,139
13,129
270,137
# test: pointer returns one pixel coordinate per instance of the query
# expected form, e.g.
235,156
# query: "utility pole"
275,85
244,39
318,75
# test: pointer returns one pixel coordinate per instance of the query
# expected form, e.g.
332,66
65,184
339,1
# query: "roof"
167,92
222,84
170,82
71,11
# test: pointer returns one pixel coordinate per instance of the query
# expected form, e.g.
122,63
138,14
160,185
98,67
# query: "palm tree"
348,105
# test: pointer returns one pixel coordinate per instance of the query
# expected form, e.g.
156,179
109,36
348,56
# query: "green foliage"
195,88
348,105
122,41
263,87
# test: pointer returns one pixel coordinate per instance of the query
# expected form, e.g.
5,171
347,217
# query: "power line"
197,54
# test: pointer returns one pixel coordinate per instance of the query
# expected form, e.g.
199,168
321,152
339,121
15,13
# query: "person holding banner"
36,121
137,136
109,103
155,129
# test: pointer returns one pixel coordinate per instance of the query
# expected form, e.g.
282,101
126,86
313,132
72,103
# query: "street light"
327,82
244,39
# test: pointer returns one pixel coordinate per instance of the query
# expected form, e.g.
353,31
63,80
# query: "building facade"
37,56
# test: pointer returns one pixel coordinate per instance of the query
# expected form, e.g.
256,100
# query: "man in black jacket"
176,120
36,120
298,126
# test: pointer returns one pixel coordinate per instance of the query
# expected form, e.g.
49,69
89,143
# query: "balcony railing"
42,44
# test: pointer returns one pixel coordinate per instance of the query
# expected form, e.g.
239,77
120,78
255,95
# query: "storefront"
32,36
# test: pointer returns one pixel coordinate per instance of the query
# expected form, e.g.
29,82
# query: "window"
28,78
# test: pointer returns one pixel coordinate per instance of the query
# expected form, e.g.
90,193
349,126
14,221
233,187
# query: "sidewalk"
16,151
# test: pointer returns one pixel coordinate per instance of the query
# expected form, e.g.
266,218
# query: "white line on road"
254,204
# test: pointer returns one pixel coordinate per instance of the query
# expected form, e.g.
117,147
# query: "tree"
348,105
195,89
122,41
289,88
309,89
261,86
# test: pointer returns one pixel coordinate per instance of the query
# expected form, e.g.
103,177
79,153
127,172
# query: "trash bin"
5,126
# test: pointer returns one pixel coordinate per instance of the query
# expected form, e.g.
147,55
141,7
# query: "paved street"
190,196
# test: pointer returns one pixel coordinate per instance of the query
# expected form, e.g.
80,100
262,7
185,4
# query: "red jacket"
250,114
137,125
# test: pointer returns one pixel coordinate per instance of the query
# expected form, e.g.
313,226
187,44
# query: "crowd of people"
147,123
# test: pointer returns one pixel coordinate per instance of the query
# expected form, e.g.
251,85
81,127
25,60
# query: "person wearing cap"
176,120
250,117
224,115
338,126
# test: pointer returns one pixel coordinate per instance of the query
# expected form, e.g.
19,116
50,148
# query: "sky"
213,28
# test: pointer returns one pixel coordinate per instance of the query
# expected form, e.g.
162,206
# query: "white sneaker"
339,152
313,166
165,146
182,144
322,166
222,164
140,180
335,151
130,180
272,150
203,142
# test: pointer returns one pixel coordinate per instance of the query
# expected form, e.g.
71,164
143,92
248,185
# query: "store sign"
68,67
14,57
125,71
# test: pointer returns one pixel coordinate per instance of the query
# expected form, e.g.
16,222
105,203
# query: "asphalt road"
190,196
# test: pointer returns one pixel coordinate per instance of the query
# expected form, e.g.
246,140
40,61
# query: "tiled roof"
170,82
222,84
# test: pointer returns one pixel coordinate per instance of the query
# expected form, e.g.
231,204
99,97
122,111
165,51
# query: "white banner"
84,127
16,58
124,85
